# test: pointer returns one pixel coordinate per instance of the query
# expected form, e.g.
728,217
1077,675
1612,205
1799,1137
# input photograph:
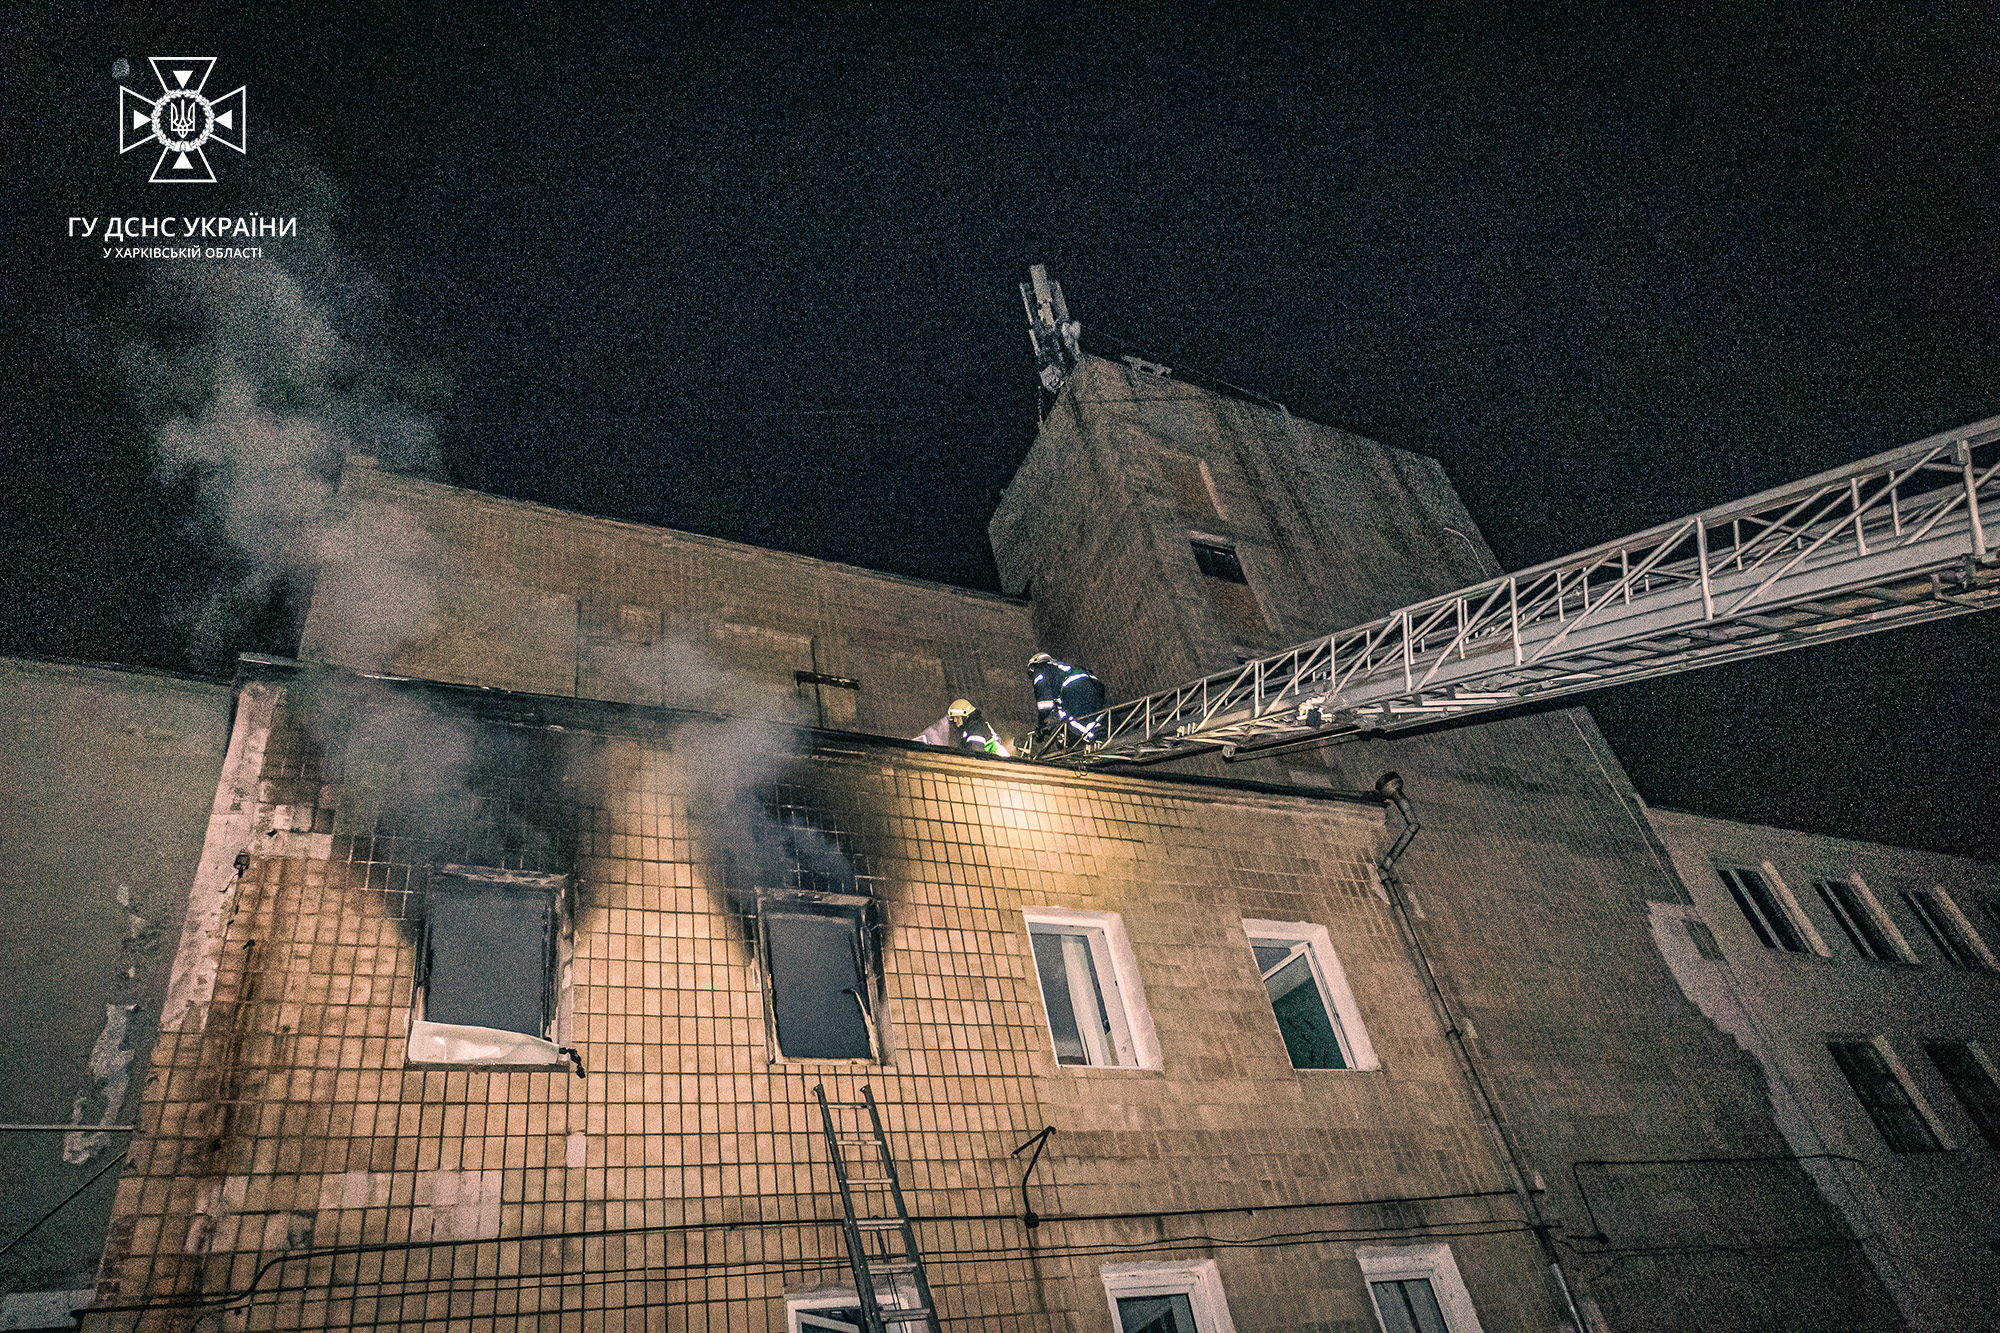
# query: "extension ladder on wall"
889,1279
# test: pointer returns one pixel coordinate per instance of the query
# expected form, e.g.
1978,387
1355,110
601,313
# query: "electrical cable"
116,1160
1320,1235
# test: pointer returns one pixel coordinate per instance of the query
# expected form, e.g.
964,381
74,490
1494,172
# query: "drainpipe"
1389,788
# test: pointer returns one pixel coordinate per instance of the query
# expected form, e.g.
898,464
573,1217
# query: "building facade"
1862,978
572,857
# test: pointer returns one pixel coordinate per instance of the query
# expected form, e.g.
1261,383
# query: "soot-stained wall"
685,1176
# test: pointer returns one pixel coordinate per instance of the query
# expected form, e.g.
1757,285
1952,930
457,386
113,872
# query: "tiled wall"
683,1183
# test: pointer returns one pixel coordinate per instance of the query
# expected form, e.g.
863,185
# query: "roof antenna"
1051,332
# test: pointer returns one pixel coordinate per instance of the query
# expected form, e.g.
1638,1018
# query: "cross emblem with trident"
182,121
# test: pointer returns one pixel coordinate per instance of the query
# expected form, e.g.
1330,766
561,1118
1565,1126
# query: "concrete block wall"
446,584
106,779
683,1183
1930,1215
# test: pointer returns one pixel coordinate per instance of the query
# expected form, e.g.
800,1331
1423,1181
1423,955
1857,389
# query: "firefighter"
971,730
1065,696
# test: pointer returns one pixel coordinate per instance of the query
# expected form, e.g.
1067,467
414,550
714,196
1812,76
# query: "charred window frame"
495,954
820,958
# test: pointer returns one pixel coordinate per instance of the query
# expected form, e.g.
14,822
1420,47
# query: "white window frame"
824,1296
1112,954
1433,1263
1334,992
1200,1282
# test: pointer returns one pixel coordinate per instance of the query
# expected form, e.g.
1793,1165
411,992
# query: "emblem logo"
182,120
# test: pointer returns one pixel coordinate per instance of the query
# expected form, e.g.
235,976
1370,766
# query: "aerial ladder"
1897,539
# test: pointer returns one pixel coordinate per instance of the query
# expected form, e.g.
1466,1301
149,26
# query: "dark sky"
755,277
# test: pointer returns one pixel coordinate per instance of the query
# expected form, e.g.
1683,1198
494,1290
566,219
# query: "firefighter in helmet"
1065,697
971,731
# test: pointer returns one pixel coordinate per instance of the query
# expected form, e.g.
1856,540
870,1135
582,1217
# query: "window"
493,969
1310,998
1860,918
1417,1289
1090,989
1885,1094
1971,1076
1775,922
1948,929
1229,595
817,964
827,1308
1217,560
1166,1298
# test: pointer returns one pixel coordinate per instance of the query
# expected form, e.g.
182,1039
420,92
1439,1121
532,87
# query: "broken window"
1769,917
1305,1017
1884,1095
1972,1081
493,969
819,965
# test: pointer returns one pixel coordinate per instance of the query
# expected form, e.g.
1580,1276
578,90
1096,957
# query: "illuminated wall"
686,1172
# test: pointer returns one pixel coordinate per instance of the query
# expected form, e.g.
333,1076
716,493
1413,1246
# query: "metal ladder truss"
888,1267
1892,540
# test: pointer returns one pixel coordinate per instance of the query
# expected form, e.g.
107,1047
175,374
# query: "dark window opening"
491,950
1409,1306
1767,916
1172,1313
1217,560
1883,1096
1972,1083
818,961
1856,920
1943,928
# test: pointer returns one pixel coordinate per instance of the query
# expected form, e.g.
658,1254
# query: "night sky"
755,277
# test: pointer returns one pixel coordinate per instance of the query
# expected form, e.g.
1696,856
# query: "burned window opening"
808,903
493,968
